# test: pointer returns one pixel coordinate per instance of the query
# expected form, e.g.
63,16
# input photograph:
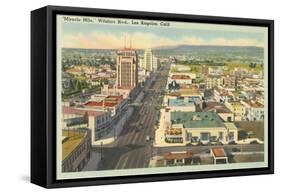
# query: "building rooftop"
80,111
236,103
215,106
98,98
223,92
254,104
71,139
177,155
196,119
180,77
189,91
179,102
218,152
109,101
230,125
174,94
105,104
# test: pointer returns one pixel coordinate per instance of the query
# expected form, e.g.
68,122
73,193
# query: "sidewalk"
93,163
159,140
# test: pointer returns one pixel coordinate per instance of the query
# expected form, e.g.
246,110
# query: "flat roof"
98,98
218,152
181,76
236,103
197,119
101,104
189,91
177,155
223,92
71,139
220,108
230,125
79,111
179,102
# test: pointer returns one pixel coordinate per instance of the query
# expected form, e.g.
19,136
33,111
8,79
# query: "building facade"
238,109
76,149
148,60
127,68
254,110
199,128
98,121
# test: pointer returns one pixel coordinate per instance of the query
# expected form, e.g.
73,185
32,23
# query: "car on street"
147,138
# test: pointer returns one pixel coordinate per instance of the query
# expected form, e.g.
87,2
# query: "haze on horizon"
101,36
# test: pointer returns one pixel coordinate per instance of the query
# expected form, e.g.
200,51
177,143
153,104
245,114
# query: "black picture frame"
43,96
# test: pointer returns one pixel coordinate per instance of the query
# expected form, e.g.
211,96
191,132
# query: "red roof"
119,98
109,101
218,152
71,110
106,104
179,155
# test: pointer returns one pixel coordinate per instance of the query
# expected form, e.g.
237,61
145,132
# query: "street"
132,149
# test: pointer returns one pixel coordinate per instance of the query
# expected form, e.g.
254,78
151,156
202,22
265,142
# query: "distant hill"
250,51
208,47
195,50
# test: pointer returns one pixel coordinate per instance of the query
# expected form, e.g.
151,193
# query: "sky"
111,36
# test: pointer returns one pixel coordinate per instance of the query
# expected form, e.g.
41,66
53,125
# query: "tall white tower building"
151,63
148,60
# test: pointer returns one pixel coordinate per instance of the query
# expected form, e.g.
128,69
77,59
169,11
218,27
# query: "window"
205,136
178,161
231,136
188,136
220,136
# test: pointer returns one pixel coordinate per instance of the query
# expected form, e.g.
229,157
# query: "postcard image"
149,97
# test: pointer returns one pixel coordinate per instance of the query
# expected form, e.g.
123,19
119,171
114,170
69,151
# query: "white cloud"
144,40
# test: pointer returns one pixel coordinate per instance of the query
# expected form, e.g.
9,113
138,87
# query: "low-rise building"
99,122
229,82
213,82
238,110
76,149
254,110
204,70
200,127
222,95
192,92
219,156
215,71
232,131
116,104
179,103
181,79
177,158
223,112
